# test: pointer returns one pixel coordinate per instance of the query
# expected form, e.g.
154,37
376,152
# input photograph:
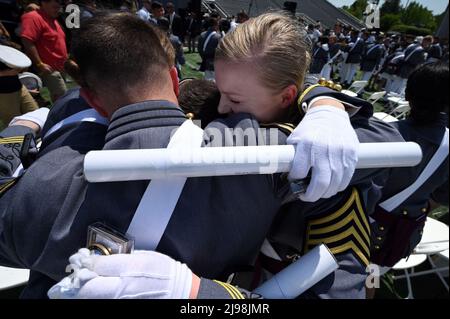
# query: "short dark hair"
225,25
324,40
212,22
201,98
117,51
164,23
427,92
157,5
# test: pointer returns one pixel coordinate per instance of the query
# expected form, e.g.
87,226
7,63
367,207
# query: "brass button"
323,81
377,247
405,213
381,228
424,210
379,238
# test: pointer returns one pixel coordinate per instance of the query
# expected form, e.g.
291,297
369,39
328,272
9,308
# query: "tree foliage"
415,17
419,16
357,8
391,7
388,20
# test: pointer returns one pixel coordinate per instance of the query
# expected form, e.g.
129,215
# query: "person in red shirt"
45,44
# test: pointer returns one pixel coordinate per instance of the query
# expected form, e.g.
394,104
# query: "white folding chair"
400,111
375,97
31,81
13,277
355,88
385,117
435,241
393,100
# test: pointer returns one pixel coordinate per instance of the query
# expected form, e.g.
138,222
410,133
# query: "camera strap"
161,196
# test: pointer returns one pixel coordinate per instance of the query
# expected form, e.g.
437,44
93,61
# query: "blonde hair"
275,44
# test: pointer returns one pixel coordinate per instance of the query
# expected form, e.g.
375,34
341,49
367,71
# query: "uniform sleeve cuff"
212,289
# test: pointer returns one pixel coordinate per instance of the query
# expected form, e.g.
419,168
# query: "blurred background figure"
175,22
14,97
164,25
44,41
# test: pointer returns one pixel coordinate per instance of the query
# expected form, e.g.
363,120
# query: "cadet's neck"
166,93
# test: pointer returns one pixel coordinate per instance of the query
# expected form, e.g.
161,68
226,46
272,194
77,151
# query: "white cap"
13,58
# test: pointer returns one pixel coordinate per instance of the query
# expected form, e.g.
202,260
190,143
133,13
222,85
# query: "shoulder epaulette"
286,128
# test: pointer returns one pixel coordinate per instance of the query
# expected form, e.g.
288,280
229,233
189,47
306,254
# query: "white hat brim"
13,58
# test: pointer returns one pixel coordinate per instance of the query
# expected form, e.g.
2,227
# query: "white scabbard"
299,276
147,164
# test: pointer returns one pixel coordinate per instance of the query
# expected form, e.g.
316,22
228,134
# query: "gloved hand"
38,116
327,145
141,275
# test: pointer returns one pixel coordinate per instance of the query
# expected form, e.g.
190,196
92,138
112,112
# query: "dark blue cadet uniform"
397,233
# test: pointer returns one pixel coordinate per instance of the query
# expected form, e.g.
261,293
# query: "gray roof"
320,10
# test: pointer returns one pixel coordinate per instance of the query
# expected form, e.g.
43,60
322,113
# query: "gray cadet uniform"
397,233
214,229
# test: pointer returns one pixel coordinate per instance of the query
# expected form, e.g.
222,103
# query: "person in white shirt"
144,13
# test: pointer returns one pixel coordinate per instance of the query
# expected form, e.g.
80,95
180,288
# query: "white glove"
38,116
141,275
327,144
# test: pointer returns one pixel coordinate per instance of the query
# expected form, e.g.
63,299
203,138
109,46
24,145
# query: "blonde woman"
260,69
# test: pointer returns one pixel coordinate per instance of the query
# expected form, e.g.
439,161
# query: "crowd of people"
386,60
216,233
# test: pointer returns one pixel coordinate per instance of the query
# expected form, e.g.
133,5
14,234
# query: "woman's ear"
288,95
93,101
175,81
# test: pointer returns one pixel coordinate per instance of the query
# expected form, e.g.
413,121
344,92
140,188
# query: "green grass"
45,94
189,70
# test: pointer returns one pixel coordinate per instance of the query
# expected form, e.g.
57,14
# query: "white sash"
89,115
354,45
161,196
419,48
315,53
171,17
372,48
335,56
437,159
208,39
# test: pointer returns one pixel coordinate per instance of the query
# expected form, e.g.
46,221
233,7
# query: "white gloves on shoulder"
327,145
141,275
